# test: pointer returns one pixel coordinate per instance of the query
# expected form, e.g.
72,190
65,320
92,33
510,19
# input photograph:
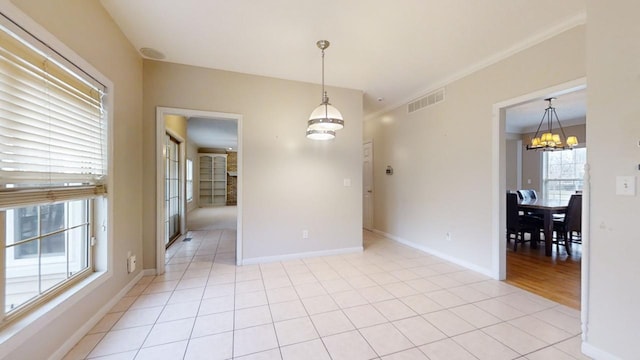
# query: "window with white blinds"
52,122
53,168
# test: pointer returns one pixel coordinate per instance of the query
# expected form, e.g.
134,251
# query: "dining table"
545,208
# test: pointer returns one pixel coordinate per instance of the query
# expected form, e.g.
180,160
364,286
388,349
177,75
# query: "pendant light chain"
325,119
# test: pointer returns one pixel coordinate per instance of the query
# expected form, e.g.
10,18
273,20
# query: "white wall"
442,154
289,183
613,126
86,28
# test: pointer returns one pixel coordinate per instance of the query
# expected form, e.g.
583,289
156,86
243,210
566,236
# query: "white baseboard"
149,272
597,353
82,331
437,253
268,259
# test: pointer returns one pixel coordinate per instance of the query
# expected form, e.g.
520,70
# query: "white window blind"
52,121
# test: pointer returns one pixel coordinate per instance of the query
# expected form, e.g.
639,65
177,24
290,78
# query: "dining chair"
518,225
569,228
527,194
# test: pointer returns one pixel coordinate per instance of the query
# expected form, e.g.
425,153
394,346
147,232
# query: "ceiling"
394,51
571,108
213,133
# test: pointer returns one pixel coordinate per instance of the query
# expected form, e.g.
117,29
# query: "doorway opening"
213,184
559,276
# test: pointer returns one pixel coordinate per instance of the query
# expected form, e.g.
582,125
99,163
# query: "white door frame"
498,165
161,112
371,194
498,206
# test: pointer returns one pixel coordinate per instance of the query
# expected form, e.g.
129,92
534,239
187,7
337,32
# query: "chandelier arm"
540,125
564,136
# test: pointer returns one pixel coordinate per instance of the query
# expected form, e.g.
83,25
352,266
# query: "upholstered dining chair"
569,228
518,225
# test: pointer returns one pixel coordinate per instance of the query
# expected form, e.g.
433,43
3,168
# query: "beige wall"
289,183
532,160
442,155
86,28
613,126
513,162
177,125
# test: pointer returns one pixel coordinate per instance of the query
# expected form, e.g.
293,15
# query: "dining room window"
563,173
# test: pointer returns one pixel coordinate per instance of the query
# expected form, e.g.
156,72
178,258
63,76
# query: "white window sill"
24,328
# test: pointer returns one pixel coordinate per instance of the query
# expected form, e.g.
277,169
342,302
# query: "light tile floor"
389,302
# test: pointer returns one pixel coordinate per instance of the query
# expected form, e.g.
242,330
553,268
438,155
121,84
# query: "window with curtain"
563,173
53,167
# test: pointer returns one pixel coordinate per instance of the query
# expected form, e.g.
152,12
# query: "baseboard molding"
149,272
268,259
428,250
597,353
82,331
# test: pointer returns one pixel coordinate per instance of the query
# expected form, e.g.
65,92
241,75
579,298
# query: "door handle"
369,191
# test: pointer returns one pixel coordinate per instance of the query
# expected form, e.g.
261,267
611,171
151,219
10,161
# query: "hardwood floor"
555,277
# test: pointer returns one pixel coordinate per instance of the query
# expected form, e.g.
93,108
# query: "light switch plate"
626,185
347,182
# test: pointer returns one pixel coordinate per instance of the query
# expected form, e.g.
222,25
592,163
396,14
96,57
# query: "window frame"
40,259
44,312
546,180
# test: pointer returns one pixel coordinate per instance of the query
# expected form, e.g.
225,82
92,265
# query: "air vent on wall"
427,100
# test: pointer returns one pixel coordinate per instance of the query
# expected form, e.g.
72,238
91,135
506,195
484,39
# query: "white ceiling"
213,133
393,50
571,109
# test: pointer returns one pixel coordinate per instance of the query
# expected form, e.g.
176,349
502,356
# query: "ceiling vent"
428,100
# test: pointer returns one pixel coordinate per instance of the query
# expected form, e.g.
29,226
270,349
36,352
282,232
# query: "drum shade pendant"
548,141
325,120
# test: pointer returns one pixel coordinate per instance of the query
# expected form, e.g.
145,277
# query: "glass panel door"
172,189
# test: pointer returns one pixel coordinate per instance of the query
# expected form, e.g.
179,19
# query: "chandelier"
548,140
324,120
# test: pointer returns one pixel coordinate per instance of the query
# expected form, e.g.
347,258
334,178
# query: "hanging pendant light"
548,141
325,119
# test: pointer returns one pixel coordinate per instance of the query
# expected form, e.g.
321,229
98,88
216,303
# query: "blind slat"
13,198
52,128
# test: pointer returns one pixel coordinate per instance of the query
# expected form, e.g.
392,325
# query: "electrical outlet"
131,264
305,234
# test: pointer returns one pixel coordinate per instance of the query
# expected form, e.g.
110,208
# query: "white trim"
577,20
498,221
149,272
161,111
428,250
498,215
82,331
585,271
597,353
286,257
20,331
372,194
